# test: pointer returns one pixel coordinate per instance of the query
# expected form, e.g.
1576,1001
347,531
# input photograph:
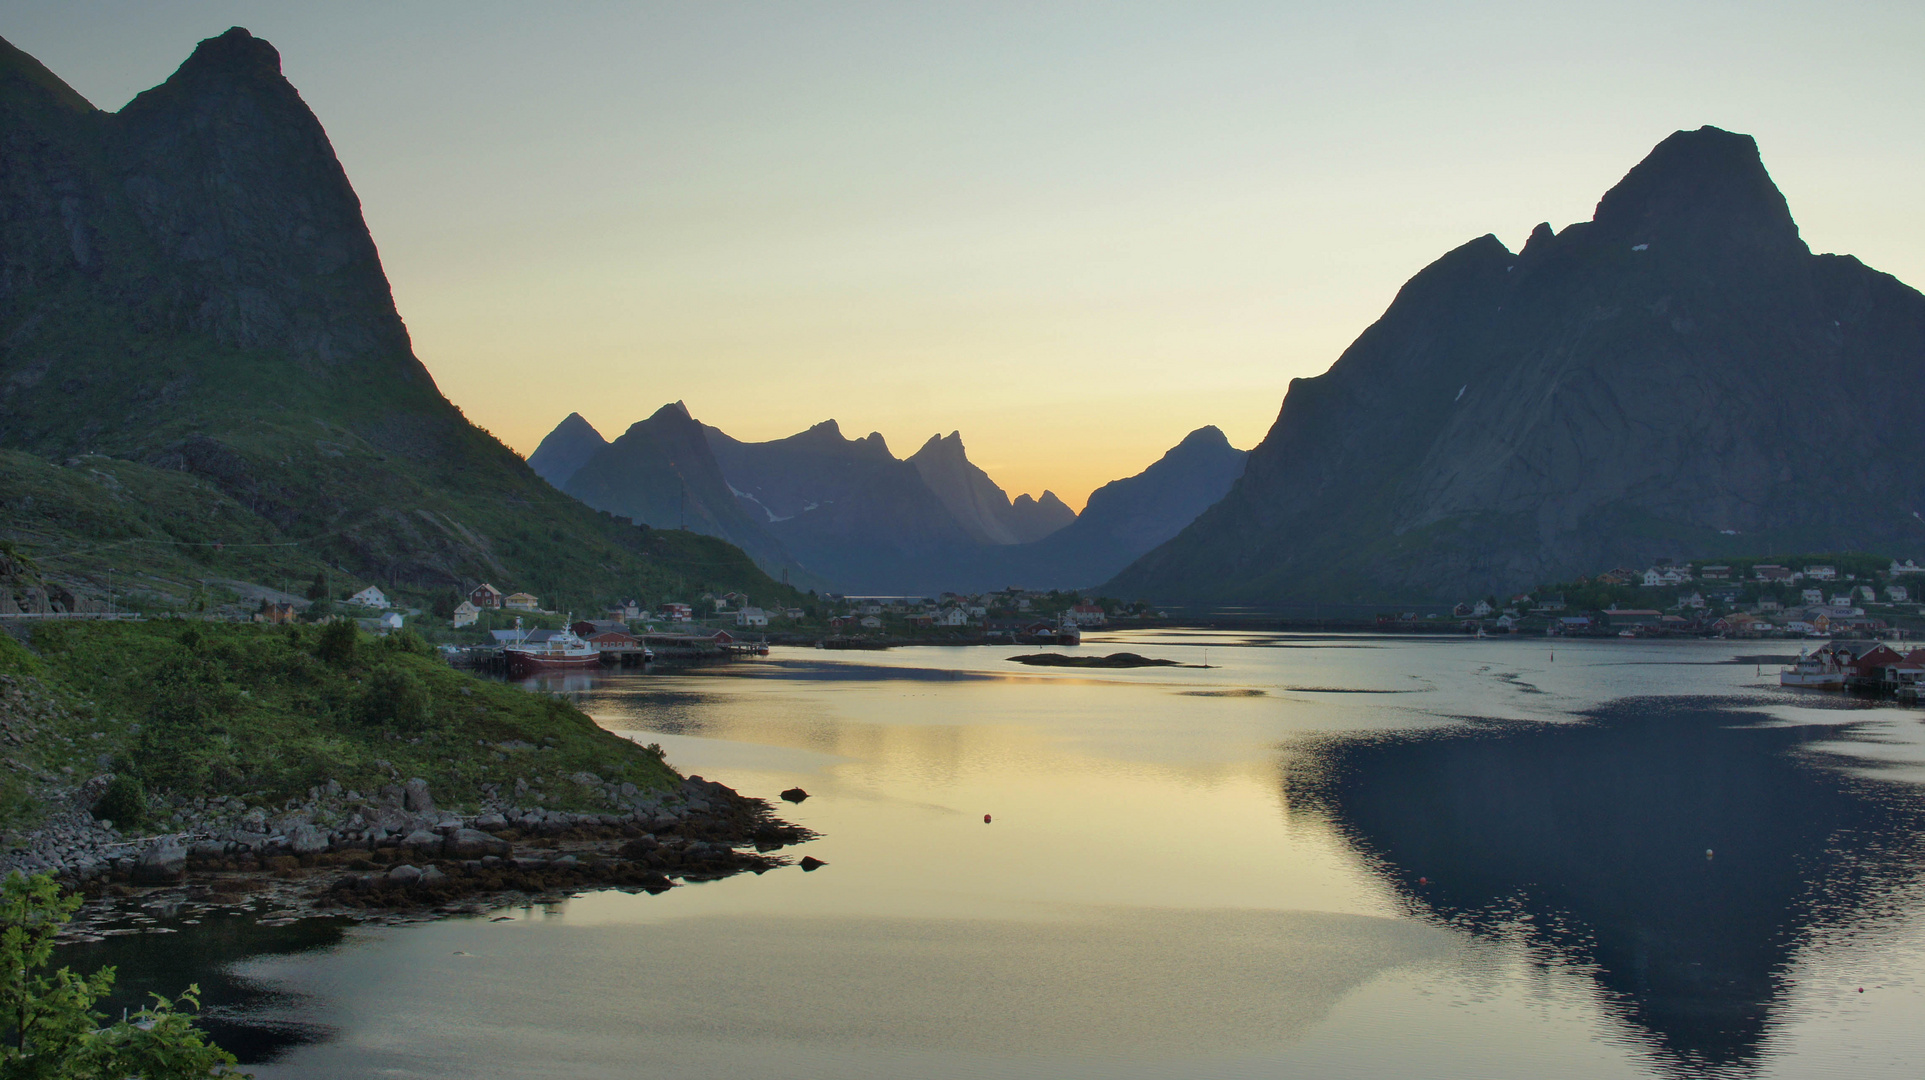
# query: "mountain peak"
946,447
674,412
1208,435
1703,189
235,52
565,450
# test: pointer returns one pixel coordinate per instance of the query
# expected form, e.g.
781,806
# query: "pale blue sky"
1073,231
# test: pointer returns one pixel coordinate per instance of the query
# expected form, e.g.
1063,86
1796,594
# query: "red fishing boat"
549,650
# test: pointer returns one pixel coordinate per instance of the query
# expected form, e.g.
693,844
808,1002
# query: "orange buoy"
985,819
1423,881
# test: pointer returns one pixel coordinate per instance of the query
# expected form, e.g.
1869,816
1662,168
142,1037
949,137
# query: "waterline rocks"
162,864
372,857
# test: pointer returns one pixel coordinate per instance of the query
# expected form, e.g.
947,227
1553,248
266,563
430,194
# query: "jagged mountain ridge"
980,507
662,472
1678,377
189,284
818,506
848,509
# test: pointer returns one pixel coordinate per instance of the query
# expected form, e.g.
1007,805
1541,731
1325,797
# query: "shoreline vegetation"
326,771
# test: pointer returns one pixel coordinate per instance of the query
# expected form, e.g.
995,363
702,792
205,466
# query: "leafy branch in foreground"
47,1021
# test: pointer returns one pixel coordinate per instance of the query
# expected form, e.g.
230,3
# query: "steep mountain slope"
565,450
189,284
849,510
1128,517
1680,377
980,507
660,472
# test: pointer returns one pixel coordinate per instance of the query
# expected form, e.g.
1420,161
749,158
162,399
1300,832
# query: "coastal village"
1846,596
488,625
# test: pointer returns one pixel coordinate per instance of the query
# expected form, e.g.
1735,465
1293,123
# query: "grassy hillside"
199,709
200,348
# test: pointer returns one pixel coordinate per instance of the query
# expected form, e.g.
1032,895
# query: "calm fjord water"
1319,857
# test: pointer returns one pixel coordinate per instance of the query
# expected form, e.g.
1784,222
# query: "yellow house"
521,601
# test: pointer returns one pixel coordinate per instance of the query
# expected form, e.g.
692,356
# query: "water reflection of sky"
1212,872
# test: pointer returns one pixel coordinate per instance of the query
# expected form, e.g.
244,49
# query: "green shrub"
124,802
187,691
48,1025
407,641
396,696
337,643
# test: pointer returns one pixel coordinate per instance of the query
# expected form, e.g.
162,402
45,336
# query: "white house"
1480,609
954,616
1085,613
1866,593
1896,593
751,616
1814,596
372,597
1822,573
1906,567
872,622
1695,600
391,621
466,614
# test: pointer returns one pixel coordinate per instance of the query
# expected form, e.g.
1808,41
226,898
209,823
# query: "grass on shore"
199,709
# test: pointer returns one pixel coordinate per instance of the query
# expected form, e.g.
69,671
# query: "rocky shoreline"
395,853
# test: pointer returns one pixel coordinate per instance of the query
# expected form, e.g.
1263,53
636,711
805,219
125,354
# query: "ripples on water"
1320,857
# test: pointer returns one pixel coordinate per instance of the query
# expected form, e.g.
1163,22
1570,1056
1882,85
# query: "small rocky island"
1113,660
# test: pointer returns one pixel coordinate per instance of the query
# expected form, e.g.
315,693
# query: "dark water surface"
1319,857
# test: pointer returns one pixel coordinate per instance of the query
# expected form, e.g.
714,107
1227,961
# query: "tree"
318,588
338,641
48,1024
395,696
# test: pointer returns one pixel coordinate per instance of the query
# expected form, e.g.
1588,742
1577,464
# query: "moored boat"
548,650
1819,671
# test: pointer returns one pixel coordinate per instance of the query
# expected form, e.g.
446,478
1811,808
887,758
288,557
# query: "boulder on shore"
415,797
474,844
162,864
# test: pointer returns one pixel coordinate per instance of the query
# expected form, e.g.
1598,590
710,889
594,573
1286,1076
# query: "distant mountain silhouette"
981,508
848,509
1678,377
662,473
566,449
829,511
1125,518
1681,853
1031,519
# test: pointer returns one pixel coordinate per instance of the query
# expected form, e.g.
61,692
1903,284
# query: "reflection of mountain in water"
1591,841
